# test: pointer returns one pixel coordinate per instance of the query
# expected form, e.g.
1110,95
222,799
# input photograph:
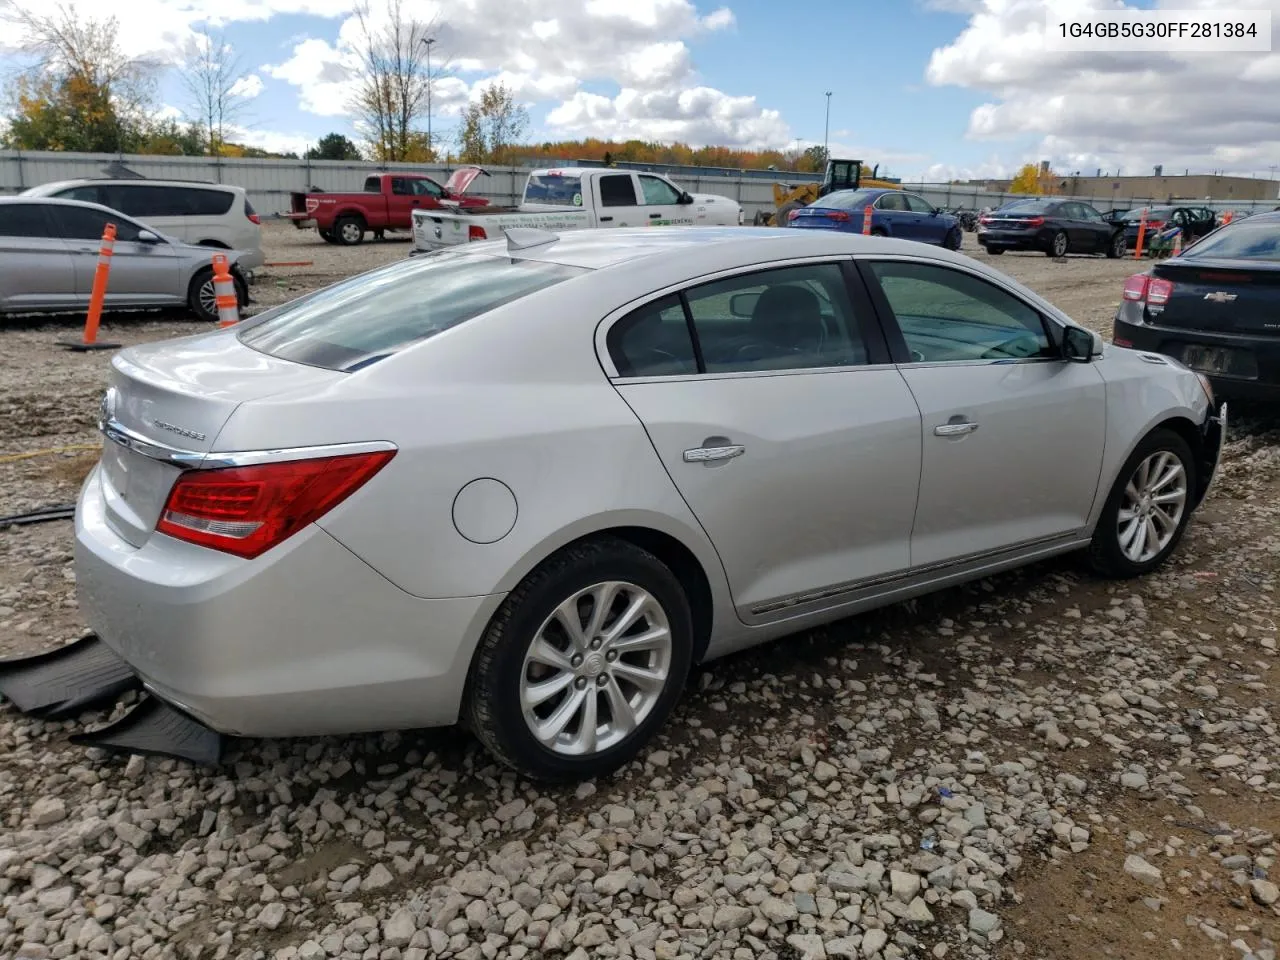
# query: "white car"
531,483
203,214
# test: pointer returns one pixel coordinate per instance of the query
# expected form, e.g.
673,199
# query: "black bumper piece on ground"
153,727
60,683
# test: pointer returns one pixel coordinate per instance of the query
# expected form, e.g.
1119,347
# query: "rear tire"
780,218
349,231
573,683
1159,500
1118,248
1059,245
200,296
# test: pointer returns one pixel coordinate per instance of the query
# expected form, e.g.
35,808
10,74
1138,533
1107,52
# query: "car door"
1071,219
926,225
426,194
1099,232
142,274
1012,434
892,210
662,205
796,446
36,270
617,201
400,203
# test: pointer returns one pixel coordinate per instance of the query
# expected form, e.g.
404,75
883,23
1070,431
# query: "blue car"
893,214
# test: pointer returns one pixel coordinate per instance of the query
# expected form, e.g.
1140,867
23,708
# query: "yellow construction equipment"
839,175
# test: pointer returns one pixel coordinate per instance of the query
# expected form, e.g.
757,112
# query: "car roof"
61,202
129,181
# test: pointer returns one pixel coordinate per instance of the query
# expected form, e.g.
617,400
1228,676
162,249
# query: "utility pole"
826,131
427,42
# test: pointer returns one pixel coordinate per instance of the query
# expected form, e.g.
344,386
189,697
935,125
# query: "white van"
206,214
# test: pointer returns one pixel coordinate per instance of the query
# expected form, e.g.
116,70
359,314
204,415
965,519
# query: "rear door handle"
606,219
711,454
655,216
954,429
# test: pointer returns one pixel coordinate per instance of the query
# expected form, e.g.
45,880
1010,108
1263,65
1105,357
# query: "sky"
928,89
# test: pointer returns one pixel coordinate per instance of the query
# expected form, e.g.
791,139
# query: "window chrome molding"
117,433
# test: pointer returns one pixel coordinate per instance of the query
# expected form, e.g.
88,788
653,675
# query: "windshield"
554,189
1245,240
376,314
847,200
1153,213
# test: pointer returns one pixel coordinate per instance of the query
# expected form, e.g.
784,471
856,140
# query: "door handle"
711,454
605,219
954,429
655,216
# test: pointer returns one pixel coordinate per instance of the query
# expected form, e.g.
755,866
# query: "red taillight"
248,510
1159,291
1034,221
792,214
254,218
1135,288
1155,224
1122,343
837,215
984,219
475,232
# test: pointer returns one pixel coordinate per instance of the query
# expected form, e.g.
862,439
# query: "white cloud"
1088,110
248,86
696,115
274,141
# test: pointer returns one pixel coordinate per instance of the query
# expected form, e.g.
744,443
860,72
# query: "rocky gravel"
1038,765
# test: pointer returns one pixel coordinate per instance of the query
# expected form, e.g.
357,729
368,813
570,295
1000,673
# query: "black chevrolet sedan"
1050,225
1215,308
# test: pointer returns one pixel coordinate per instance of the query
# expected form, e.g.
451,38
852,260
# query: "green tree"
333,146
814,159
493,126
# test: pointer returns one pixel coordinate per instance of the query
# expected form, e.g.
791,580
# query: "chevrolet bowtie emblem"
1220,296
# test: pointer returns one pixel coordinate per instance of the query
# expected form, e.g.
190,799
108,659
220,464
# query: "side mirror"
146,236
1078,345
686,198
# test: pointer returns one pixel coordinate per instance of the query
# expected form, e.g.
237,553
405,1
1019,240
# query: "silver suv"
204,214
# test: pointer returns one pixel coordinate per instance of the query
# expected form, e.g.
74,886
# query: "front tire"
953,239
1058,245
582,663
202,300
1147,510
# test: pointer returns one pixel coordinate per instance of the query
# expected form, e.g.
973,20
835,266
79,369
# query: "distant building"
1160,189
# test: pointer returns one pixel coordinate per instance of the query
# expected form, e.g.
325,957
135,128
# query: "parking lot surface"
1038,765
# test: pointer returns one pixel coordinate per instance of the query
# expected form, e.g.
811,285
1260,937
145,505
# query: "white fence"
270,182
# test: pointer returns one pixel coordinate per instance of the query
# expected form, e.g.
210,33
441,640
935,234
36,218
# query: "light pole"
826,131
427,42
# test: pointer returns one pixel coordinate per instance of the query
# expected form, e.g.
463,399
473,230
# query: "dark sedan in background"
1215,308
1195,222
894,213
1050,225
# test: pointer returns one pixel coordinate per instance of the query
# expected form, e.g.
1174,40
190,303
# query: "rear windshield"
554,189
1245,240
847,200
374,315
1028,206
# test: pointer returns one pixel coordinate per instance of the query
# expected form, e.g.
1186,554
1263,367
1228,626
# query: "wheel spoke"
1126,515
1172,472
536,694
1152,538
585,741
1129,535
635,610
568,617
648,681
1131,492
653,639
1166,522
624,718
545,652
1173,496
602,598
548,730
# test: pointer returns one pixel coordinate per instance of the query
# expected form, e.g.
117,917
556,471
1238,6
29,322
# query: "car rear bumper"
1255,375
305,640
1013,239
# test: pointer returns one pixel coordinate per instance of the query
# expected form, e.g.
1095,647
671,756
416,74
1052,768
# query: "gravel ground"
1039,765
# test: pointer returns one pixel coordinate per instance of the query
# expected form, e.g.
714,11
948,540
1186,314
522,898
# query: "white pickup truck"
577,198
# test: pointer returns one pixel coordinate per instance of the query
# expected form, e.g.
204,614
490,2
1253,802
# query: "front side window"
426,188
553,190
84,223
400,187
658,192
617,190
1089,213
791,318
376,314
948,315
23,220
653,341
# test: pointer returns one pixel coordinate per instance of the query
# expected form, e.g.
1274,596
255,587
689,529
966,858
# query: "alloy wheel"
596,668
209,298
1154,500
351,232
1060,245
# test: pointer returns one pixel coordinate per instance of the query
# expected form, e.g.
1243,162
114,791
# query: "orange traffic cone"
224,291
97,296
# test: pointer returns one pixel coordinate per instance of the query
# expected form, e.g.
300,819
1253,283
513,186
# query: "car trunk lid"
163,410
462,178
1228,296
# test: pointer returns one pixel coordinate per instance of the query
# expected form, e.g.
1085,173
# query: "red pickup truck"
386,203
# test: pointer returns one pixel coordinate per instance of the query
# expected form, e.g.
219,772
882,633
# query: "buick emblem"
1220,296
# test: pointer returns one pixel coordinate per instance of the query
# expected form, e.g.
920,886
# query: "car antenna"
520,238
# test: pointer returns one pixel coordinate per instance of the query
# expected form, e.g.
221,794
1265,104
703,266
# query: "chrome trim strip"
117,433
853,586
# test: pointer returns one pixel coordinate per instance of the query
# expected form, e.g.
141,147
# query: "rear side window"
617,190
377,314
653,341
23,220
83,223
400,187
1242,240
141,201
86,194
892,201
373,185
208,203
554,190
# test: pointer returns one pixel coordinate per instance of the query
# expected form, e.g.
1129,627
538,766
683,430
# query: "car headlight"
1206,386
